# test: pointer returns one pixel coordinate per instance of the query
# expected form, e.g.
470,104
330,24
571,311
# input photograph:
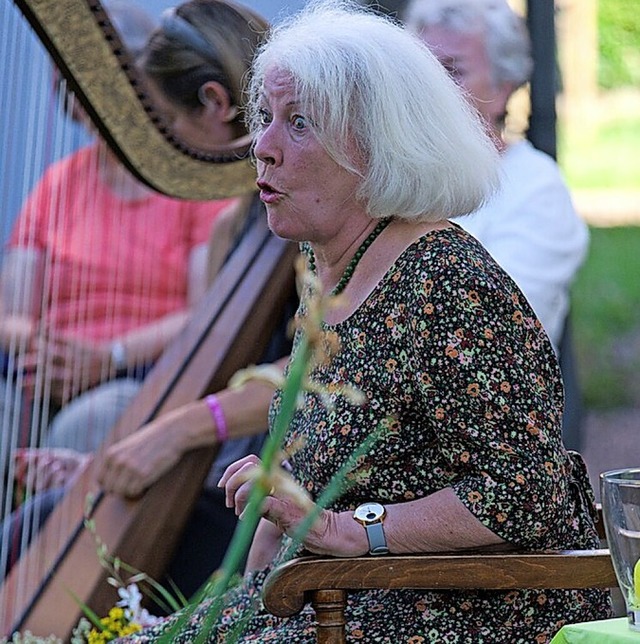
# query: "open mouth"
268,193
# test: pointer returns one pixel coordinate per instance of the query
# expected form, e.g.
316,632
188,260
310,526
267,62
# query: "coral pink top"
112,265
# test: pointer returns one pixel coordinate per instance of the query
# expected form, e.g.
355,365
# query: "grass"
605,157
606,318
602,154
602,157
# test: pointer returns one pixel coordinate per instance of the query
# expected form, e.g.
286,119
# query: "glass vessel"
620,495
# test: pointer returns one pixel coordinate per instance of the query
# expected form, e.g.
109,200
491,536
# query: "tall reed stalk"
313,347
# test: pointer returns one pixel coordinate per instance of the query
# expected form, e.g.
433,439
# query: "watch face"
369,512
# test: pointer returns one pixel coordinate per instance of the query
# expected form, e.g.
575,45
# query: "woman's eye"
264,117
298,122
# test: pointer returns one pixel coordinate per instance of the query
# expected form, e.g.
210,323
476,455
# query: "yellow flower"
115,625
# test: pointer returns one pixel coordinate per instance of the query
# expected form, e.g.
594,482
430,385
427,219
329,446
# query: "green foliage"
619,43
606,318
604,156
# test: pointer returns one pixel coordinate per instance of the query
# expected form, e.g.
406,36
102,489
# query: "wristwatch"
371,515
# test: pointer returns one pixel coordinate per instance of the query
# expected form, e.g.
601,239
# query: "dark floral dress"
457,369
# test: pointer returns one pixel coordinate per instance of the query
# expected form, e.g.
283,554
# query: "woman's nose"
266,149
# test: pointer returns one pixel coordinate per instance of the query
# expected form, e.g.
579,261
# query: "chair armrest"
290,585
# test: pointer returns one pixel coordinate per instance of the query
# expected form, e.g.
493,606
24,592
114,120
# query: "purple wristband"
222,432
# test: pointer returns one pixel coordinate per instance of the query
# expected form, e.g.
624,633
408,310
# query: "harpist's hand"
132,464
287,505
39,469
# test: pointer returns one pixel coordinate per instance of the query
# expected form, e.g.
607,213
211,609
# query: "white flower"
130,601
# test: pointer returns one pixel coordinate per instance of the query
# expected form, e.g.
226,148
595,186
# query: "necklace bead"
351,266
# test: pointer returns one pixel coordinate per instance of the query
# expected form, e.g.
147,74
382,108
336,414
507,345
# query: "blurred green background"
602,154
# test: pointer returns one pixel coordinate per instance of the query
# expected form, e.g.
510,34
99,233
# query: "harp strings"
38,283
24,119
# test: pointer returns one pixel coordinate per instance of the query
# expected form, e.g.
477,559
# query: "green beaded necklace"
351,266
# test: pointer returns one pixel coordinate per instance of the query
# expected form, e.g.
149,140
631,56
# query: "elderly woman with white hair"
365,158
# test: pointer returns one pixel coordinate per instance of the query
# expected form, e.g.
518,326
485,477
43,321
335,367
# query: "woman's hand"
73,366
131,465
45,468
287,505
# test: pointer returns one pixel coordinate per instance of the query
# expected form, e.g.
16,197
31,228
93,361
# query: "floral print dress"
460,374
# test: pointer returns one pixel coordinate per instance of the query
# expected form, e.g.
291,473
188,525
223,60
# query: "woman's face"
465,57
309,197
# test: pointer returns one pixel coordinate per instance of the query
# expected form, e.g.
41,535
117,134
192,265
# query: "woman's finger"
239,482
235,466
241,498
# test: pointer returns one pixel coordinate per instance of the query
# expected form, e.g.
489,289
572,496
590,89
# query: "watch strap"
377,540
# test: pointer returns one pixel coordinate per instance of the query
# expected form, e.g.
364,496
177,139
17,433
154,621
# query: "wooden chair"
325,582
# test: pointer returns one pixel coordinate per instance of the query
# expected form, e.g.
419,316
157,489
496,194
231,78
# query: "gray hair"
505,32
422,152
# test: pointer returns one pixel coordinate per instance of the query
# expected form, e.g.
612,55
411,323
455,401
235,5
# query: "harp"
227,330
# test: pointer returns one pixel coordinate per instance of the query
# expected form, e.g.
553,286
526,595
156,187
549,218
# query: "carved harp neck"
88,51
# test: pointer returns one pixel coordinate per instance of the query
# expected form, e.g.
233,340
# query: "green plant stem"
243,535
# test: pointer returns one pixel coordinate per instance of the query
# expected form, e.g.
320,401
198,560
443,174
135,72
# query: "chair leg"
329,606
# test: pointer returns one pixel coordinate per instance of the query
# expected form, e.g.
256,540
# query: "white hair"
505,32
422,152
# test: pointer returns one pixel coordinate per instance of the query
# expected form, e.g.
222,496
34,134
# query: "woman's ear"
214,96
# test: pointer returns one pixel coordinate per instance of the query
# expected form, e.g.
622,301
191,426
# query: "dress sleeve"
494,387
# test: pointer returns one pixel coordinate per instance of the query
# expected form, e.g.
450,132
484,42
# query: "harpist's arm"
134,463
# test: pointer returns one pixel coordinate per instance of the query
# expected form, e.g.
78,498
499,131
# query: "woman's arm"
70,357
436,523
134,463
20,292
264,547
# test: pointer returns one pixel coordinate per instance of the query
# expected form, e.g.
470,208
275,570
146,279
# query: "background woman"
100,273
